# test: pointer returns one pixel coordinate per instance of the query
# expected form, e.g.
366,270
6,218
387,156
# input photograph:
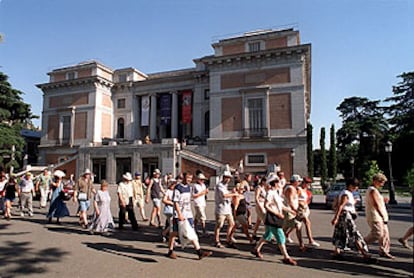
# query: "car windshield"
338,187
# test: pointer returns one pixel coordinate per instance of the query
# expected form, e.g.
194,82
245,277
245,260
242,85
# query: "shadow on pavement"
18,258
128,251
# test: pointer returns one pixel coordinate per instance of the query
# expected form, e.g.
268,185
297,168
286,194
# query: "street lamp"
292,155
388,150
352,161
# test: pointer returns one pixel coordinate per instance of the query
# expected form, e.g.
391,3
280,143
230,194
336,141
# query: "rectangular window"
255,108
71,75
256,159
121,103
122,78
254,46
206,93
66,127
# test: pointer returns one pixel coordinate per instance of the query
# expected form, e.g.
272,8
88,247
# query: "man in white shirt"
26,191
126,201
223,210
199,196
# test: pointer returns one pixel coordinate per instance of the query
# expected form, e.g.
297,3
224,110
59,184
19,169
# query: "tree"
372,169
401,119
309,137
363,134
14,115
332,170
324,170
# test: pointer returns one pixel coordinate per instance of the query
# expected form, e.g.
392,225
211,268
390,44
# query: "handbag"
82,196
168,210
273,220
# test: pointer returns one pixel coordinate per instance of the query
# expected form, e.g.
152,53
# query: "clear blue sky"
358,46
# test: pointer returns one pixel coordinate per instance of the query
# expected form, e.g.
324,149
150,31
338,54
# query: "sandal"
218,245
289,261
257,254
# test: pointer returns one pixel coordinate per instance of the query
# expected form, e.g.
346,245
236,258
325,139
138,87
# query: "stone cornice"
75,82
265,54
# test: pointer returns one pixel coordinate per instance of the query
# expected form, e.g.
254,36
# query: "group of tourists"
281,205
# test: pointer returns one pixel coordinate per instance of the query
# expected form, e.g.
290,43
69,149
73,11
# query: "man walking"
26,191
182,208
199,196
43,185
126,201
223,210
292,201
139,195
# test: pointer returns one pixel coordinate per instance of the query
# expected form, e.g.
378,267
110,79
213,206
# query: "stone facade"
248,101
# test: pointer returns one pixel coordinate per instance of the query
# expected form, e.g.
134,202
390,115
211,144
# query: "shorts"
156,202
11,200
303,212
140,202
175,223
274,232
241,219
221,218
200,213
84,205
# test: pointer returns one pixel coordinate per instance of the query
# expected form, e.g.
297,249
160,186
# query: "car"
334,192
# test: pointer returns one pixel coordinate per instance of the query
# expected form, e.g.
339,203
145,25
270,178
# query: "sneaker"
233,240
289,261
314,244
22,214
205,254
172,255
257,254
289,240
30,214
404,243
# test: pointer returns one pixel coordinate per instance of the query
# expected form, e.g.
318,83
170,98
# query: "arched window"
121,128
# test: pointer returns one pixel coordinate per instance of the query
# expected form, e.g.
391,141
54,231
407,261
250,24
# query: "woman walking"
239,206
10,190
260,197
57,207
346,234
274,220
102,221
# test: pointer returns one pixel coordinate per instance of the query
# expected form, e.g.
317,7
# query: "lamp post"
388,150
292,155
352,161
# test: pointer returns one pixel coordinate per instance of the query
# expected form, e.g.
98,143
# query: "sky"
359,47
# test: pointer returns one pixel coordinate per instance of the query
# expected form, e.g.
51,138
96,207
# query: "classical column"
153,117
111,167
174,115
137,117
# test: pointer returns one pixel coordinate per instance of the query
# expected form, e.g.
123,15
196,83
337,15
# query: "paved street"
30,247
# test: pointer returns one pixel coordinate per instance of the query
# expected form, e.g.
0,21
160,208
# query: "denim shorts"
84,205
156,202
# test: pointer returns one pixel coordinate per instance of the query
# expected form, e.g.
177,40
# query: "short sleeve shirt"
126,191
223,205
274,200
182,196
201,200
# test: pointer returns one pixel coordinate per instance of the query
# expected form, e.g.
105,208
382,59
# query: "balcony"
255,132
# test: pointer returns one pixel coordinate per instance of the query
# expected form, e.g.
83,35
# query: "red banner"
186,107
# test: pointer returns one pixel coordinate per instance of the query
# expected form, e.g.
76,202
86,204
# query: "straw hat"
59,174
127,176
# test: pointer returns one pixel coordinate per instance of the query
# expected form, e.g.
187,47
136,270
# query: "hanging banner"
145,107
165,109
186,107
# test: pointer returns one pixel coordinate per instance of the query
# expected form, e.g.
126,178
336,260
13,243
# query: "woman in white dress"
102,221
